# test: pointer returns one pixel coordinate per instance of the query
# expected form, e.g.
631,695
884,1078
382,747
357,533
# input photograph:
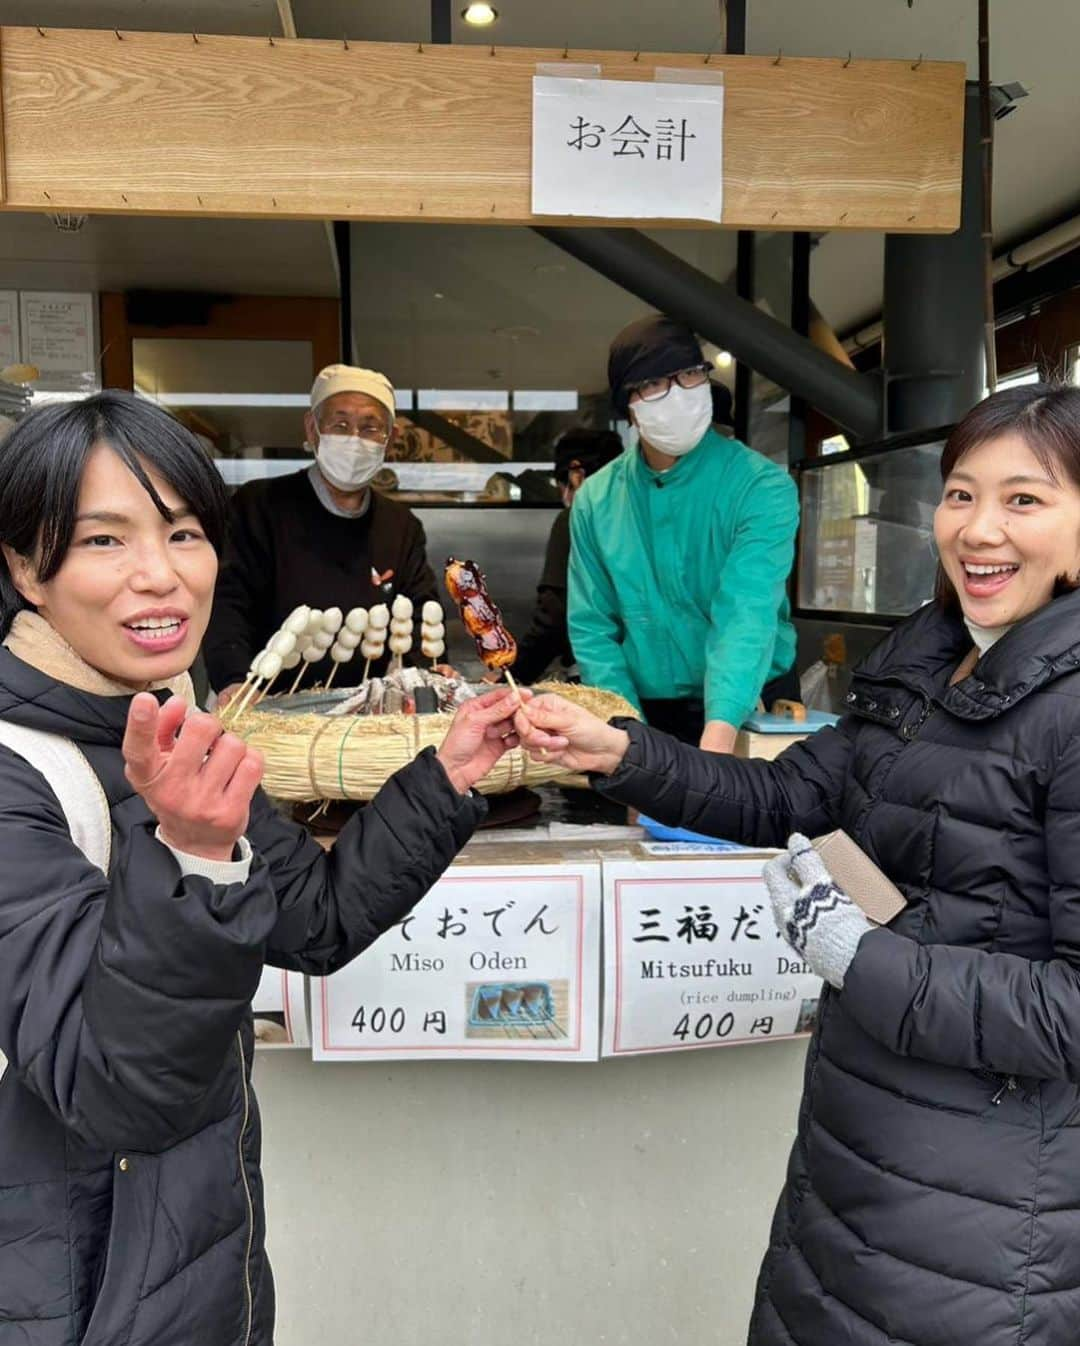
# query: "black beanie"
649,349
591,449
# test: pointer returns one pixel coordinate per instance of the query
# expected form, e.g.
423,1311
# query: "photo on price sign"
517,1009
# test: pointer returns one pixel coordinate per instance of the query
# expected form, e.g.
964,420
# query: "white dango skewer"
341,653
297,620
401,627
303,643
245,686
432,647
432,631
283,644
373,645
269,667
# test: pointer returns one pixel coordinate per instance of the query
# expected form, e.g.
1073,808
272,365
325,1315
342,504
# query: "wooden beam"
167,123
3,155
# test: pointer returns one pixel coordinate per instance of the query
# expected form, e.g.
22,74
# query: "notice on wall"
627,149
693,959
9,328
280,1011
59,336
493,964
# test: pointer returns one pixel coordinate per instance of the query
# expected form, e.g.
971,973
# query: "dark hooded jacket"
933,1193
131,1208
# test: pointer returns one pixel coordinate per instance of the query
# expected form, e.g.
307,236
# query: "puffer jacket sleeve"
119,1000
333,905
754,802
994,1011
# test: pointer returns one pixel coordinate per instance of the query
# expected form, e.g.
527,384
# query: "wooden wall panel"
205,125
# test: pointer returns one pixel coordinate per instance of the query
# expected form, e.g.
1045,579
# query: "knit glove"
818,919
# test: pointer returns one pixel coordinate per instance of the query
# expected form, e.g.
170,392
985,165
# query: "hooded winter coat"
933,1193
131,1208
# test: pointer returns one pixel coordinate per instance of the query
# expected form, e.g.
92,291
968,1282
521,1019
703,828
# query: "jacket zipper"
1007,1084
247,1190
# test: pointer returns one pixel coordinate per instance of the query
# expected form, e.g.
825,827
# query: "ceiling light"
723,359
480,15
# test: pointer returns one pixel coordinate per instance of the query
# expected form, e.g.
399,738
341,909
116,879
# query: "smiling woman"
122,564
127,971
1008,526
934,1187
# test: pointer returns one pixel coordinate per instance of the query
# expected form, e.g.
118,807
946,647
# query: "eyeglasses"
652,390
367,428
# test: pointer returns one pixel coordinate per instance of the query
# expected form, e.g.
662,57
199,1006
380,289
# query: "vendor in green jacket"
681,550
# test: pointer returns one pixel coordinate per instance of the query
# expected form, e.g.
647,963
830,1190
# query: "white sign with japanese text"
692,959
627,149
279,1010
493,964
59,335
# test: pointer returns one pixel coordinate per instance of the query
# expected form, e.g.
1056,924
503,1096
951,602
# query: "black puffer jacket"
131,1206
933,1195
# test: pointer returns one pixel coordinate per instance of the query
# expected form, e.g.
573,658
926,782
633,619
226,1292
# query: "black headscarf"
649,349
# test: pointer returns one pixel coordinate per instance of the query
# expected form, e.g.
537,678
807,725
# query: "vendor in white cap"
322,536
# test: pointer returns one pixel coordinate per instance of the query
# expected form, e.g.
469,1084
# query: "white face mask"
347,461
675,424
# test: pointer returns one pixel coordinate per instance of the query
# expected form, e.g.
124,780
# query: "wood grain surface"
196,124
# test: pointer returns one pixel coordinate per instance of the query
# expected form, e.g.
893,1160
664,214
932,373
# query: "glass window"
866,543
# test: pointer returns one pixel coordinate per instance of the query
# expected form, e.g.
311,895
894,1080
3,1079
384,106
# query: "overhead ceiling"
512,302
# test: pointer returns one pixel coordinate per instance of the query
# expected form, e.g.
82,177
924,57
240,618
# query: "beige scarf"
38,644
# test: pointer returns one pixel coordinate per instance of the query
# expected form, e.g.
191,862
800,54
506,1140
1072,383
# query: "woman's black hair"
1046,416
41,467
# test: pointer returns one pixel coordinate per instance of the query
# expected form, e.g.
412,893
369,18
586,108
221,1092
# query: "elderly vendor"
322,536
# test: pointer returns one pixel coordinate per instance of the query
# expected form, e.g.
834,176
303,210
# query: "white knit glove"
818,919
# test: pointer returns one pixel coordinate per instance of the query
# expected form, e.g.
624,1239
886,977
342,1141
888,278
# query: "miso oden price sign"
693,959
627,149
491,964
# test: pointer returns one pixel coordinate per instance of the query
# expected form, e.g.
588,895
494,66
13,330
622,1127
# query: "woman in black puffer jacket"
933,1194
130,1195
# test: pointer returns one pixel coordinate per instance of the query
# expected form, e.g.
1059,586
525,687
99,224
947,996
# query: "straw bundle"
351,756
